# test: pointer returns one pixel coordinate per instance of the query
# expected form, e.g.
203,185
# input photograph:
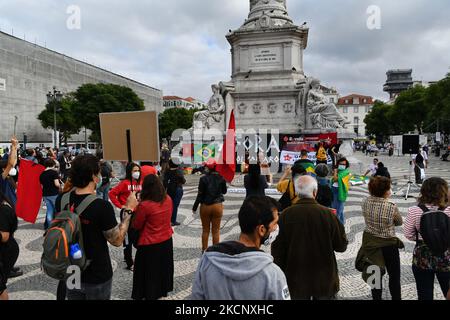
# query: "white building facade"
355,108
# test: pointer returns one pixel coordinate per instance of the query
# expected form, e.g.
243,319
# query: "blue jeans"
99,292
50,203
338,205
176,203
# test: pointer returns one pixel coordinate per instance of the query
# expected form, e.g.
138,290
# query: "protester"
426,264
239,270
255,184
341,187
165,158
334,153
9,249
380,245
173,182
419,167
324,193
306,163
211,190
286,186
6,167
321,154
107,173
154,266
119,196
372,170
99,227
65,164
31,155
148,168
382,171
50,189
310,234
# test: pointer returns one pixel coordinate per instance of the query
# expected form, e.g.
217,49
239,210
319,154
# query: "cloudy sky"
179,46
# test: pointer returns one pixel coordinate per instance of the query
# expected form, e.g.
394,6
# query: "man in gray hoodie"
239,270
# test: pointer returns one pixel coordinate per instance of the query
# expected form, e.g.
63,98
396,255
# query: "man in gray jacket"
239,270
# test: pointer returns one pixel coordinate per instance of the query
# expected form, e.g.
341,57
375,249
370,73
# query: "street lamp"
54,97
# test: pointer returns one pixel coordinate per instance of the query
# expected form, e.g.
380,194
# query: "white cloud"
180,46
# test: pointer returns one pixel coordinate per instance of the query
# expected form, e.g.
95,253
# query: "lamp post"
54,97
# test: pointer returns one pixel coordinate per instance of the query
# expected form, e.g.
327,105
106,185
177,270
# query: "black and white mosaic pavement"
34,285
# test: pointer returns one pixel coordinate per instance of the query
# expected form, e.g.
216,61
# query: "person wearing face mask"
309,236
380,245
240,270
99,227
341,187
50,189
119,196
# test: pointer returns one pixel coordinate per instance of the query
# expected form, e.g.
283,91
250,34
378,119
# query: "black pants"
392,261
127,249
418,173
425,283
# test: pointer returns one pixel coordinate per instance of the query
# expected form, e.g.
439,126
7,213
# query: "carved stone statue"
323,115
214,116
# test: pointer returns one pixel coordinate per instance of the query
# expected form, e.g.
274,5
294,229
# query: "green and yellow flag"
344,184
204,152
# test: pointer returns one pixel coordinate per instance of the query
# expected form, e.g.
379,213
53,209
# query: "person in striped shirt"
426,266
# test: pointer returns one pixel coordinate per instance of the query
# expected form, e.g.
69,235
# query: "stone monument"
268,87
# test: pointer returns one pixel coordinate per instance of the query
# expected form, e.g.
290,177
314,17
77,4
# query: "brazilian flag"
344,184
204,152
310,168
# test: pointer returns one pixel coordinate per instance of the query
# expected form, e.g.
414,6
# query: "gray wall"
30,71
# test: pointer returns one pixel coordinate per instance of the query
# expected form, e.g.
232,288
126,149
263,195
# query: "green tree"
411,110
93,99
378,121
173,119
66,123
437,99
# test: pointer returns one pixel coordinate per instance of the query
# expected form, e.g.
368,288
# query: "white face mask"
342,168
13,172
272,237
136,175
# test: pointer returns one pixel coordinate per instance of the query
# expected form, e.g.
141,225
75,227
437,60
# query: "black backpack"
435,231
325,196
285,200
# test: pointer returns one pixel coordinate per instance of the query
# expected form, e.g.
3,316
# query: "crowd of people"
304,230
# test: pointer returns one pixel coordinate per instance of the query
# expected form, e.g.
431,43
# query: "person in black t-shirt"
99,226
255,184
9,249
50,189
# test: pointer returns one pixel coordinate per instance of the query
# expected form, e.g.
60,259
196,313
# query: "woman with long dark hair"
119,196
173,182
154,267
9,249
427,265
255,184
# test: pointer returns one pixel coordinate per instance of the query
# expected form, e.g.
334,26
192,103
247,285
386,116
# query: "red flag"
29,191
227,167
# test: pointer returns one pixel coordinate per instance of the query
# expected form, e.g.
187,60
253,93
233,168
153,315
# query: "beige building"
355,108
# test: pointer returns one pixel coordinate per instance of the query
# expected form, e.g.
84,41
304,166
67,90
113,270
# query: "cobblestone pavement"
34,285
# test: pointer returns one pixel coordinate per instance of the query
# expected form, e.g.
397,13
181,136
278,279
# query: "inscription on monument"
266,56
2,84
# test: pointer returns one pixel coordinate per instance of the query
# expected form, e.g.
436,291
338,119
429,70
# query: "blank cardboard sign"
144,134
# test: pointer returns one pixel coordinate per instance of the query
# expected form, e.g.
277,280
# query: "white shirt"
373,169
